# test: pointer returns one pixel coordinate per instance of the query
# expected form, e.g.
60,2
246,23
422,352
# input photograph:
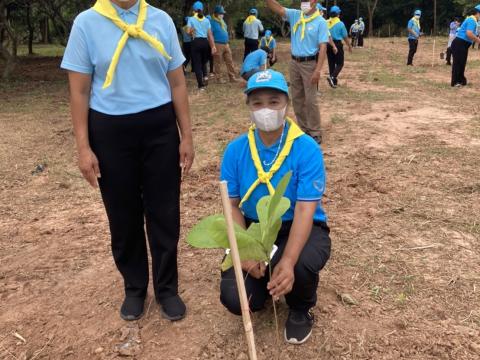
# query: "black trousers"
187,52
355,40
360,39
272,62
460,56
335,61
200,54
139,162
303,296
449,55
412,49
251,45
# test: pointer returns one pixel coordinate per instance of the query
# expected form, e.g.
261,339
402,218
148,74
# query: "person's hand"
254,268
187,155
350,50
335,50
88,165
282,280
214,50
315,77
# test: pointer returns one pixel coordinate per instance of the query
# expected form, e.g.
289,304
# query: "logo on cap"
263,76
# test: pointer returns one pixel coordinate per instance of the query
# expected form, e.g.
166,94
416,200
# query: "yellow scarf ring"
198,18
220,21
294,132
105,8
250,19
332,22
304,21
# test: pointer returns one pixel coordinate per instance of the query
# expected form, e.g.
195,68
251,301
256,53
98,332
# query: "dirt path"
403,154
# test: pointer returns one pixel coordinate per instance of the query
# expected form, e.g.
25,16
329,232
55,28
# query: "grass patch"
47,50
384,78
339,118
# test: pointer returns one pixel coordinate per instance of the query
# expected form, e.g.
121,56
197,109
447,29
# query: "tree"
371,7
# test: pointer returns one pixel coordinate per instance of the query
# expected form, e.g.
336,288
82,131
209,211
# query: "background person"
255,62
252,27
186,45
269,41
454,25
414,33
354,30
361,32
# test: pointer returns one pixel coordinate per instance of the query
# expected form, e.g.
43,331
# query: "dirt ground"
402,151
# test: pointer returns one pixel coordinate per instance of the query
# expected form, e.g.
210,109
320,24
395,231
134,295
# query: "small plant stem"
274,308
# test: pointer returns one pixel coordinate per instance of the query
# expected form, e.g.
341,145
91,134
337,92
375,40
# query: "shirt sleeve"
229,172
410,25
344,32
290,15
76,57
209,24
260,26
323,32
263,58
174,49
311,173
274,44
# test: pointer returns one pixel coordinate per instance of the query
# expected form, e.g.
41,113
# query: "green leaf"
253,252
262,212
209,233
278,196
271,236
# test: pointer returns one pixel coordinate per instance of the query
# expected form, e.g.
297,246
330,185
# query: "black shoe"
318,139
298,327
132,308
335,81
449,64
173,308
331,82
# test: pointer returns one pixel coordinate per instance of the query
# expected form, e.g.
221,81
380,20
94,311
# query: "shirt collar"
134,9
262,146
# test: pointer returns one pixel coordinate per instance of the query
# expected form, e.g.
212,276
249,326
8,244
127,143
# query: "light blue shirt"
254,60
201,27
468,24
413,26
140,82
453,28
272,45
316,33
220,33
338,31
305,161
361,26
253,30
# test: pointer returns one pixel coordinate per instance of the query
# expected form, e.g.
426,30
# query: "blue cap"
268,79
219,9
253,11
198,6
335,9
418,12
477,7
321,7
268,33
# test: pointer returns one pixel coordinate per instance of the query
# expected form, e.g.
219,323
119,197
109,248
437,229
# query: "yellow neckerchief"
332,22
264,177
198,18
416,22
220,21
105,8
304,21
267,42
250,19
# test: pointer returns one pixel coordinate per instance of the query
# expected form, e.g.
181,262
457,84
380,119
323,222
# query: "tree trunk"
30,29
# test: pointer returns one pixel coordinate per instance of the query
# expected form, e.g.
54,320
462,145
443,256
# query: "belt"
304,58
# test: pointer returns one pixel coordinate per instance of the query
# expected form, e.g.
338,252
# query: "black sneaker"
331,82
173,308
298,327
132,308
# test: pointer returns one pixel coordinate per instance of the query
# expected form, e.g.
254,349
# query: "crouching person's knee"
229,298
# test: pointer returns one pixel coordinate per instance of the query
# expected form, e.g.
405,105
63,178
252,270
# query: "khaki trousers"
224,53
304,97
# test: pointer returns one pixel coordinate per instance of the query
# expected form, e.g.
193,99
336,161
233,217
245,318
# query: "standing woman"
466,36
129,102
414,34
202,45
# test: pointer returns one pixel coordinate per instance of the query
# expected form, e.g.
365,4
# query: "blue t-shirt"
305,161
272,45
316,33
253,30
468,24
254,60
338,31
412,25
201,27
140,81
220,33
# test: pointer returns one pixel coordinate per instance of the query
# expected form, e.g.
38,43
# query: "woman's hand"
187,155
88,164
335,50
282,280
214,50
254,268
315,77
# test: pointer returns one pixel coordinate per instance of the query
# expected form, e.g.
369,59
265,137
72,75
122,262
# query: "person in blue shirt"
339,34
274,146
222,39
466,35
255,62
186,44
252,27
203,45
269,41
309,38
127,113
414,33
452,34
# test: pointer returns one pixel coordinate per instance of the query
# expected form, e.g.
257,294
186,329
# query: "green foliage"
254,243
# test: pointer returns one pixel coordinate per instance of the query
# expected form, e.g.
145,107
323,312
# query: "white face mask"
267,119
220,16
417,16
305,6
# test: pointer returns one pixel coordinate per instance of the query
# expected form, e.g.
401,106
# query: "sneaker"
298,327
458,85
173,308
335,81
202,89
331,82
132,308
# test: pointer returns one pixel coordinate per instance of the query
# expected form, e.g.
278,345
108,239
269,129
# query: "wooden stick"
433,51
237,265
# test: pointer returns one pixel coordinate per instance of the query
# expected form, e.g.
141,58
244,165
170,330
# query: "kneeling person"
255,62
274,146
